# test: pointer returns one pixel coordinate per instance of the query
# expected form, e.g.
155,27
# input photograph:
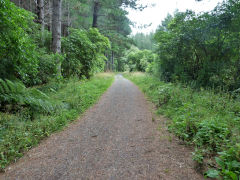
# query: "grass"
19,132
207,120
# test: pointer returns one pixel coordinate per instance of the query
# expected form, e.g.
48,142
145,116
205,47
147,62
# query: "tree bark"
56,32
96,6
30,5
40,14
68,18
112,63
19,3
50,15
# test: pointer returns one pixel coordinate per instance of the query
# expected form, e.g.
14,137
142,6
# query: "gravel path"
115,139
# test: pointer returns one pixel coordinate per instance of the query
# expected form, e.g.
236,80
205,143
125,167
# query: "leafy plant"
14,95
206,119
229,163
139,60
85,52
18,55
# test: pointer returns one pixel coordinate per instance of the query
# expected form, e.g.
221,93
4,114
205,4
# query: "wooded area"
50,22
201,49
48,44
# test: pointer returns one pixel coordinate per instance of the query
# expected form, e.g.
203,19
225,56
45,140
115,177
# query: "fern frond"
16,93
4,86
37,93
1,88
11,86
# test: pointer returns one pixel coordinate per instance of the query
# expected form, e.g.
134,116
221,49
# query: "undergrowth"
32,119
14,97
209,121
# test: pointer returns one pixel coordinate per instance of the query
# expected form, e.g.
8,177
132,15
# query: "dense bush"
140,60
23,53
17,50
84,52
47,67
207,120
201,49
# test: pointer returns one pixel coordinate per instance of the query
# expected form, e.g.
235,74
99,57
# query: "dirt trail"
115,139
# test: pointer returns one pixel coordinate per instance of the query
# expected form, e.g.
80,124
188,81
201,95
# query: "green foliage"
18,134
201,49
17,50
19,39
112,22
85,52
139,60
14,96
47,67
207,120
120,46
212,173
229,162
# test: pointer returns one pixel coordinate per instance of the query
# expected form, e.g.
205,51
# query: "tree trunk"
56,32
50,15
50,19
96,6
68,18
112,63
30,5
106,63
40,14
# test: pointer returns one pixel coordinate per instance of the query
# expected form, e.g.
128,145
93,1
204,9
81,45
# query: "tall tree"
96,6
40,14
56,32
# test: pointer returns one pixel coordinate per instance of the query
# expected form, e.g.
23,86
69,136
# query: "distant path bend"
115,139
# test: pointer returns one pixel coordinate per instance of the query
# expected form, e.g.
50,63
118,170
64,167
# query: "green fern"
4,85
15,93
11,85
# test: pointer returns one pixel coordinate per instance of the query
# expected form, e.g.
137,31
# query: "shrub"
47,67
140,60
18,56
84,52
